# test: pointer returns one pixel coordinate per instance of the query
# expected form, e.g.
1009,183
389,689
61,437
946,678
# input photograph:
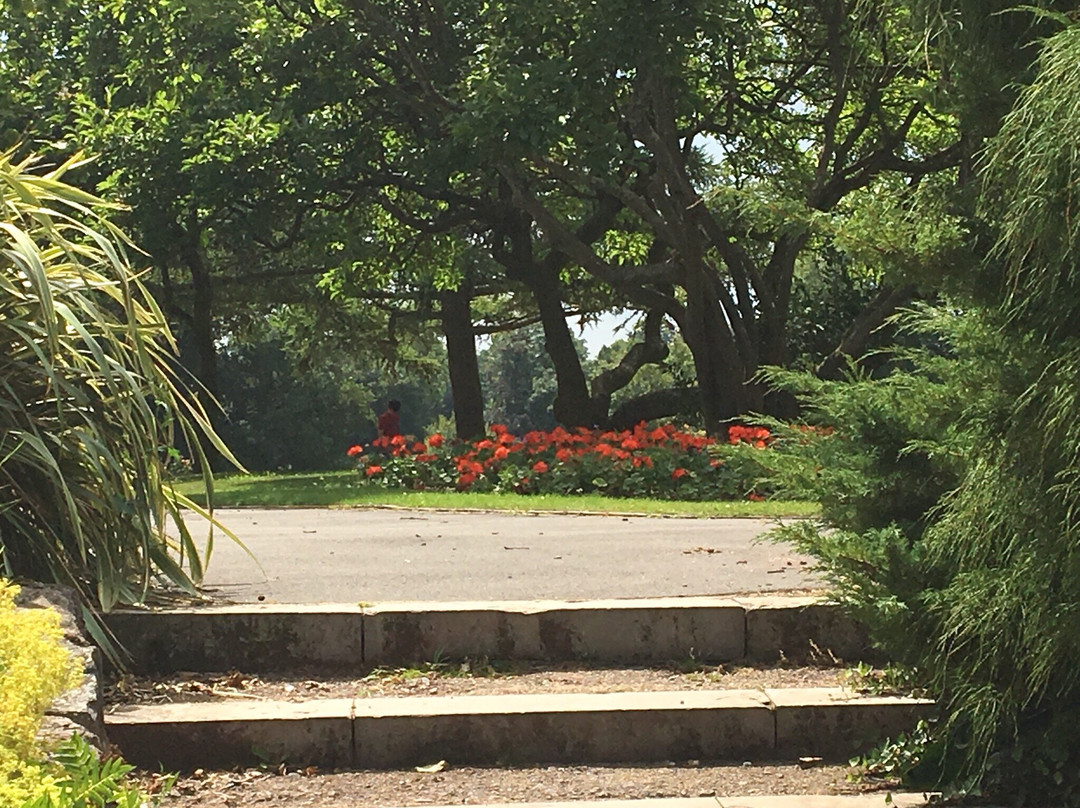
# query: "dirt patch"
456,680
483,785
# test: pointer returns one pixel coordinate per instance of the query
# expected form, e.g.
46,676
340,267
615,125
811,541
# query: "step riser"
631,736
259,639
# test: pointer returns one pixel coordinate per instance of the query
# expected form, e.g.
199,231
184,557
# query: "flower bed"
661,462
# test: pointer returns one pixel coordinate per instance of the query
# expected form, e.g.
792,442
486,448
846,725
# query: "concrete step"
873,800
263,637
512,729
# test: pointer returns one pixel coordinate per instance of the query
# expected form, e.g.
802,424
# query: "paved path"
348,556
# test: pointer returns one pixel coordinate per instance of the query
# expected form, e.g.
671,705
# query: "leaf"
434,768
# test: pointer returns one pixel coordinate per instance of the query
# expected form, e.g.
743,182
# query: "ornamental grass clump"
662,462
90,402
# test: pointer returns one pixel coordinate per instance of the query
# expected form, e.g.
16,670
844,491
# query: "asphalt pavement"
314,555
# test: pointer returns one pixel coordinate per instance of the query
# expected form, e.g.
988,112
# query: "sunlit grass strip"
343,489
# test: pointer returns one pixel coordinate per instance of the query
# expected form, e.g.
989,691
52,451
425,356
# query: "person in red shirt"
390,421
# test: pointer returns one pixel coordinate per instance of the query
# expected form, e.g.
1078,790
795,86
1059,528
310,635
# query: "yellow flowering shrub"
34,669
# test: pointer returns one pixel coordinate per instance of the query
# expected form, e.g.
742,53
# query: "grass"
344,489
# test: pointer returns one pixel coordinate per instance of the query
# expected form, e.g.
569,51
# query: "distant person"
390,420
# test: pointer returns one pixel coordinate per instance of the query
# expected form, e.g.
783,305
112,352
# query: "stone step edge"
261,636
878,799
390,733
772,699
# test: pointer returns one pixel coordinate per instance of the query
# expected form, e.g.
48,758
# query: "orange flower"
371,471
435,441
355,450
540,467
679,473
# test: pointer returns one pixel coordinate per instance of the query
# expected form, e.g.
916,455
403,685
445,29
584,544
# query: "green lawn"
344,489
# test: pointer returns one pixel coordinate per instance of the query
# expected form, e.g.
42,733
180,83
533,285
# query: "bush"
34,670
947,528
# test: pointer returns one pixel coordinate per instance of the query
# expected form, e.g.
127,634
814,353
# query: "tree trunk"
668,403
573,405
720,373
651,350
468,396
202,320
857,337
202,333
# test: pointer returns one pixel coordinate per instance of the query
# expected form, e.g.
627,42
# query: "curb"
874,800
261,637
386,733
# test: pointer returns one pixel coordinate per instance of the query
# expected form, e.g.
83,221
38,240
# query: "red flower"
658,434
754,496
499,429
426,458
435,441
540,467
397,440
355,450
418,447
485,444
562,455
630,444
465,480
501,453
755,435
371,471
467,466
679,473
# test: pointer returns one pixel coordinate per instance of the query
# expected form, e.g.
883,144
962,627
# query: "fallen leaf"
434,768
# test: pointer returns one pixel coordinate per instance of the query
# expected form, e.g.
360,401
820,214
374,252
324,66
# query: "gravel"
454,680
471,786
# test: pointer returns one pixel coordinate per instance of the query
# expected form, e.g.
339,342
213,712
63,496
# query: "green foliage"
976,580
945,534
518,380
86,781
90,404
34,670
